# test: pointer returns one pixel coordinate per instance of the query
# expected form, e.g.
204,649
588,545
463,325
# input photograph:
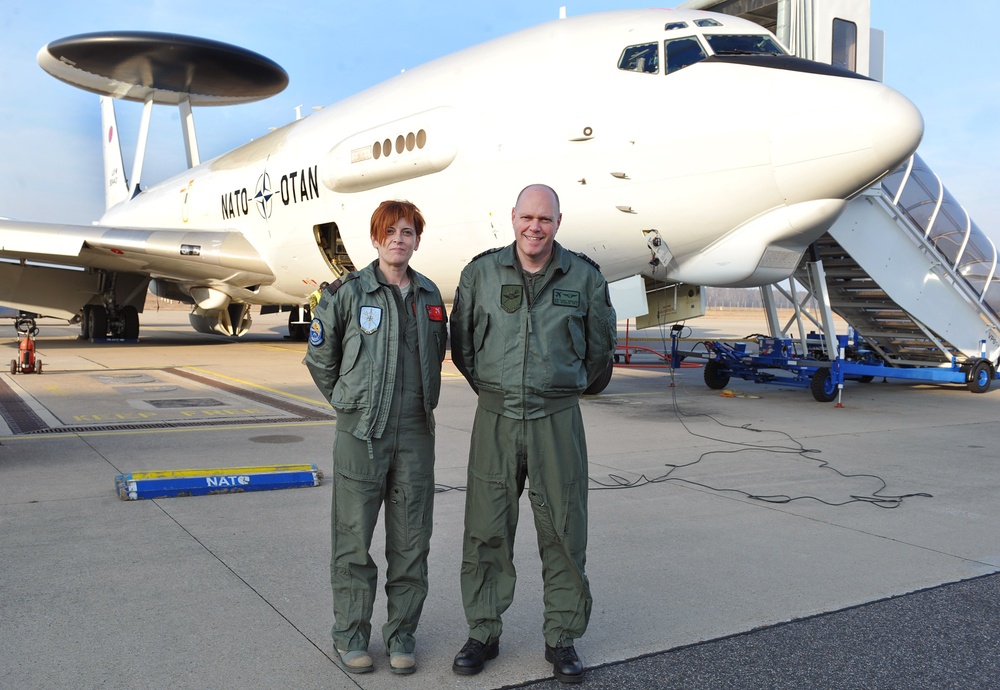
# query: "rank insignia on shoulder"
369,319
339,282
316,333
588,260
486,253
435,312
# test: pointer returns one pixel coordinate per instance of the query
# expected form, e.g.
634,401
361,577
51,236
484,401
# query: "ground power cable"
875,498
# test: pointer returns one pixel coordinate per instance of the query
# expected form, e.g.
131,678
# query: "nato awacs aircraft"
687,147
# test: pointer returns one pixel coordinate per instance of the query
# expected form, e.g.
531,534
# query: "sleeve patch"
316,333
435,312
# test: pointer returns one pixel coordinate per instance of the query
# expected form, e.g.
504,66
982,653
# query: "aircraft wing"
197,257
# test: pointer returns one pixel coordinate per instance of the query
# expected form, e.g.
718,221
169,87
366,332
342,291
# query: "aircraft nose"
845,135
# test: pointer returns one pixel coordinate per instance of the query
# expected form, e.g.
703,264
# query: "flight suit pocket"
357,501
545,525
486,506
407,523
351,354
479,336
577,337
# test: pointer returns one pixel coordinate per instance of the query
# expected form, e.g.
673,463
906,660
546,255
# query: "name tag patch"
566,298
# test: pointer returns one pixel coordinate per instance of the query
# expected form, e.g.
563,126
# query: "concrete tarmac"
729,535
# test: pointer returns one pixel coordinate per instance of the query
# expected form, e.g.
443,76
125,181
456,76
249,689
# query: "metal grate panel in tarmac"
22,419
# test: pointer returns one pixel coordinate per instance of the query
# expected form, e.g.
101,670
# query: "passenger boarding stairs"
909,272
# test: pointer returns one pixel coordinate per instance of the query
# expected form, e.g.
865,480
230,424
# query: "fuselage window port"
640,58
682,52
409,142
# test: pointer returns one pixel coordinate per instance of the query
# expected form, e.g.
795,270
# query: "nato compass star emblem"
370,318
263,196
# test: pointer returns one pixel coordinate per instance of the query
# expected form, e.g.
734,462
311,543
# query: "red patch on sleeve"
435,312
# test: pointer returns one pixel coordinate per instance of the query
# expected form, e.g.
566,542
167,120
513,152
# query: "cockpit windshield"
687,50
644,57
743,44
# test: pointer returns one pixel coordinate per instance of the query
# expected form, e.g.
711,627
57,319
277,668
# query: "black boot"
565,664
474,656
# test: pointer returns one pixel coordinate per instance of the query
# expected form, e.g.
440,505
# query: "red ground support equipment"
26,363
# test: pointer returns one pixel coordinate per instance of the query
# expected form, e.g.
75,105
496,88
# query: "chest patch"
369,319
510,297
566,298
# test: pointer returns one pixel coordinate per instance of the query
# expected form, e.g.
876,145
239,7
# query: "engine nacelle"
234,320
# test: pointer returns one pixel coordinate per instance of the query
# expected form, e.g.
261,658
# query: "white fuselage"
737,167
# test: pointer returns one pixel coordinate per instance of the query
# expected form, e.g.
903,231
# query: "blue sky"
940,55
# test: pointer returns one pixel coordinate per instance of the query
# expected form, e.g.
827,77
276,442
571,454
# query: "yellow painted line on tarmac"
281,347
313,401
249,469
163,430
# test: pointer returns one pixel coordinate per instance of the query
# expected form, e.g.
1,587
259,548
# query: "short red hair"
388,212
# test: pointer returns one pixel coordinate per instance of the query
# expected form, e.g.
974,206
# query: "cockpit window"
743,44
682,52
706,22
641,58
675,25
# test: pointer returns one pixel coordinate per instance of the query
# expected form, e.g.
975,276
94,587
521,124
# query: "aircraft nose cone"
896,128
846,135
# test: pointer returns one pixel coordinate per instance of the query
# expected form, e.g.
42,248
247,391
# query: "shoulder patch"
588,260
316,333
487,252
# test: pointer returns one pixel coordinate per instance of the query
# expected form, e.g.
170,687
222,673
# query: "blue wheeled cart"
781,361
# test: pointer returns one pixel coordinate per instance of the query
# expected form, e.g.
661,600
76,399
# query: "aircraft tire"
822,385
13,367
85,322
980,377
130,323
38,366
98,322
716,375
298,332
602,381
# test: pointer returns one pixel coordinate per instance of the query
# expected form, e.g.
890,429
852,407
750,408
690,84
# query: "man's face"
400,242
535,221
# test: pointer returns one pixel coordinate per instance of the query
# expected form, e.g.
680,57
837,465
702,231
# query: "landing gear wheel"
130,323
716,375
98,322
980,377
38,366
13,366
298,332
85,322
602,381
822,385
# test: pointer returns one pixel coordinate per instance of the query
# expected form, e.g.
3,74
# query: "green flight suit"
376,355
529,346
